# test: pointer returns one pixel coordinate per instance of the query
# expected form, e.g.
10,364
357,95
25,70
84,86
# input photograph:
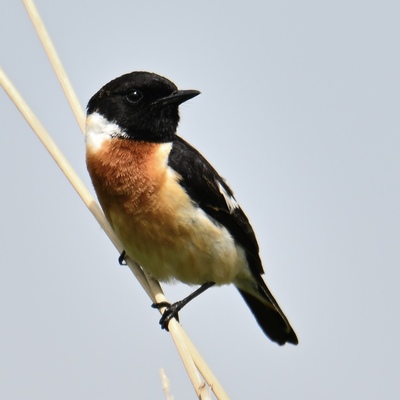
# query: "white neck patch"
100,130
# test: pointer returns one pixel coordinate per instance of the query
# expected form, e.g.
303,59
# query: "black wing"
209,190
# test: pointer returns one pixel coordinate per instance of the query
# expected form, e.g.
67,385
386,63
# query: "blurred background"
299,111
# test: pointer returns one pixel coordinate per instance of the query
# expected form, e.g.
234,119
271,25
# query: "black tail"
268,314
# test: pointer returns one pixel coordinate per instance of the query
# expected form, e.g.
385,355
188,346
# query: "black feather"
200,180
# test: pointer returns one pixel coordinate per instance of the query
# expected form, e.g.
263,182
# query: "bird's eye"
134,96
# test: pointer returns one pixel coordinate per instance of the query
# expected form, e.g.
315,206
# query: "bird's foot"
171,311
121,258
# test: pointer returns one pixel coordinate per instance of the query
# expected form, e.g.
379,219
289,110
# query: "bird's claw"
171,311
121,258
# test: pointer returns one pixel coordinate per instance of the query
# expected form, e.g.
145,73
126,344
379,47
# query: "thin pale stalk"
205,370
55,62
165,384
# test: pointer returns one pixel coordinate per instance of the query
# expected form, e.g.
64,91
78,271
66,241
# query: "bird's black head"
144,105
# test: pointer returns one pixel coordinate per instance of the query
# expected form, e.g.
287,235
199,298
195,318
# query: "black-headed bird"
172,211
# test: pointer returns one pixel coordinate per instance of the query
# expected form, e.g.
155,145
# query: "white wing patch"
229,200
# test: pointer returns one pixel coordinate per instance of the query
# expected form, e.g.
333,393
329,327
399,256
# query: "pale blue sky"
299,111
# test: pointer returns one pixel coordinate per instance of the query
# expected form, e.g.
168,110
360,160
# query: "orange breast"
126,173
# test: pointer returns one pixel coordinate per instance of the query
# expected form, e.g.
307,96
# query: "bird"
172,211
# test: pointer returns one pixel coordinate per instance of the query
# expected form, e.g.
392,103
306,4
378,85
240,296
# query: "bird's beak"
177,97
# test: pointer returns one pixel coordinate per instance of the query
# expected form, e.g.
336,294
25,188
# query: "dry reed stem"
165,384
56,63
205,370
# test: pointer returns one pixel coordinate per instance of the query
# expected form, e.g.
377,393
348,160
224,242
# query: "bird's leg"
171,310
121,258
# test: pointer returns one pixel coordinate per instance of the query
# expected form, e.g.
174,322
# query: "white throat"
100,130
